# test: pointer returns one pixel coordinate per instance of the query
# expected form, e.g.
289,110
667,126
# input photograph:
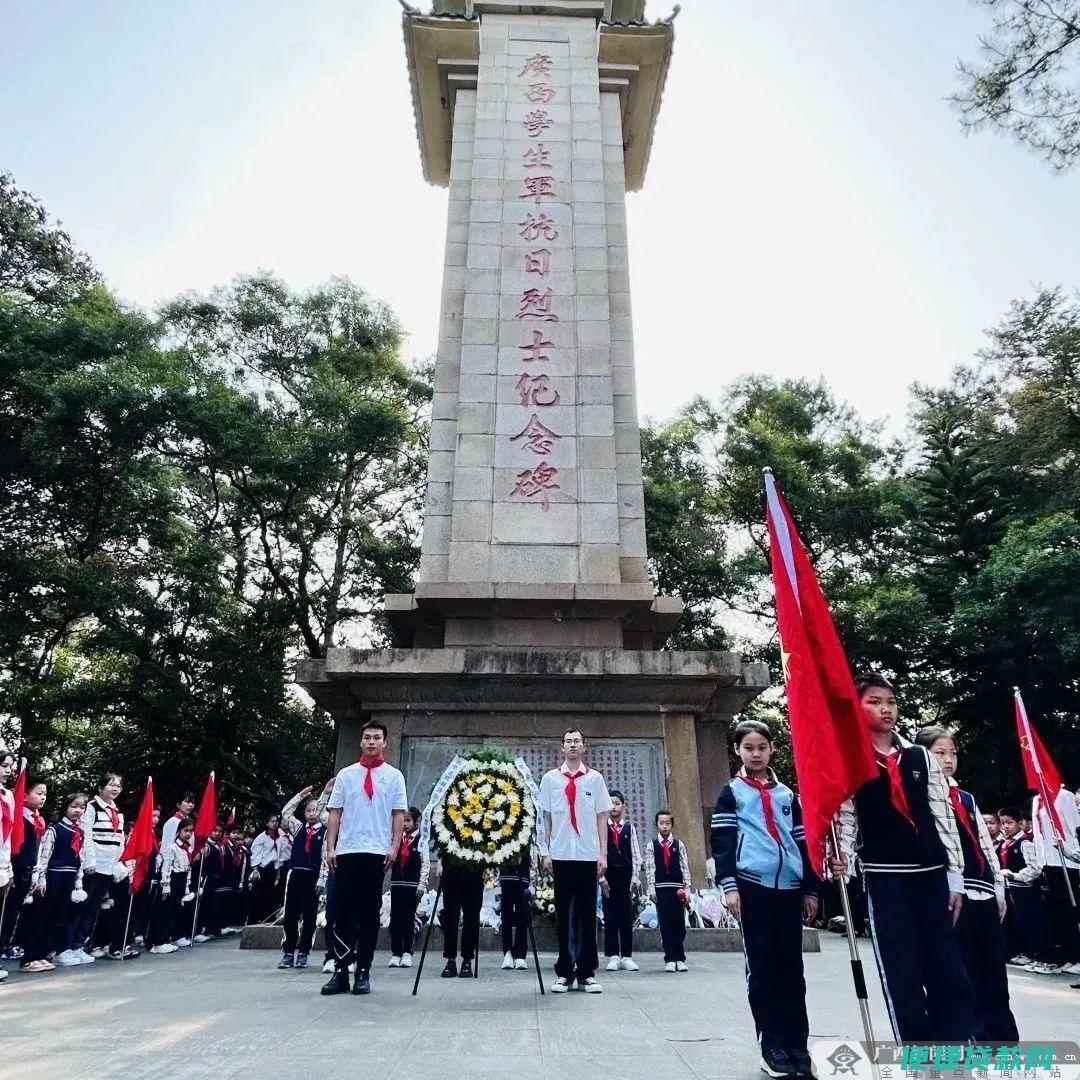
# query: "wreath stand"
476,958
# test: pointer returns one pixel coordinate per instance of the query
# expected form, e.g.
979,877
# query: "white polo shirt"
592,798
367,824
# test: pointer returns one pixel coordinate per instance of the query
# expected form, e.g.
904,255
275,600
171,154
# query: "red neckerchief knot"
369,784
665,850
406,848
964,822
891,764
114,818
762,788
76,836
39,823
571,795
616,834
309,835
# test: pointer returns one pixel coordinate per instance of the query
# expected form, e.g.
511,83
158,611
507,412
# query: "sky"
812,206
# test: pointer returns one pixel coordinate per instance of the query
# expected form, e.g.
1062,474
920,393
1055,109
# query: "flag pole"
857,975
198,895
127,923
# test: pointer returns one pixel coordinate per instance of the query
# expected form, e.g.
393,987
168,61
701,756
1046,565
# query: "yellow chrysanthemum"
465,831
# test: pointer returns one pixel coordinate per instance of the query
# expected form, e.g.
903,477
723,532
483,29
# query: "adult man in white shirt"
575,803
363,834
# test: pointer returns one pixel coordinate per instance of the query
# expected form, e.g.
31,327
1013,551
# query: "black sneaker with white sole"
776,1063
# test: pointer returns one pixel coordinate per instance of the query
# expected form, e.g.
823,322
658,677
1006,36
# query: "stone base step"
645,941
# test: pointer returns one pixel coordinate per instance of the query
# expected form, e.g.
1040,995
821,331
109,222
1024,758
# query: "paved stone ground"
218,1012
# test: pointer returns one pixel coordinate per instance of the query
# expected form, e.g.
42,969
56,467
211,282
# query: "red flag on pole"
140,844
18,824
1040,772
829,738
231,819
205,817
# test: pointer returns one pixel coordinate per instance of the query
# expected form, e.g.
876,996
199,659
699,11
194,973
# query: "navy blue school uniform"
909,849
407,877
669,871
759,849
982,940
514,905
16,912
1025,922
55,930
301,885
215,888
624,864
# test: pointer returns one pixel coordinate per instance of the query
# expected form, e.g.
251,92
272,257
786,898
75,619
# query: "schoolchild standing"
1025,922
305,874
56,884
22,910
213,886
620,879
514,878
982,943
759,849
266,862
408,881
175,921
1059,856
668,872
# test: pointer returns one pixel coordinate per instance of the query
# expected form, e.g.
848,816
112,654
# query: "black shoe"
466,970
362,985
803,1063
450,971
776,1063
338,983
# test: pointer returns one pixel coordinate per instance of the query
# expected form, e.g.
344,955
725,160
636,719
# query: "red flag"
231,819
205,817
18,826
829,737
140,844
1040,772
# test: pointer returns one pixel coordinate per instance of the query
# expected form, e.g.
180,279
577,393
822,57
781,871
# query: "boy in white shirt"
575,803
363,836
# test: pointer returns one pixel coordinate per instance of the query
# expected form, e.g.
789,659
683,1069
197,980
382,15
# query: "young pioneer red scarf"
965,823
665,851
407,842
309,835
571,795
369,784
615,829
114,818
39,823
76,836
891,764
762,788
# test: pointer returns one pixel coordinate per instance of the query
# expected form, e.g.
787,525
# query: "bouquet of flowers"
487,815
543,900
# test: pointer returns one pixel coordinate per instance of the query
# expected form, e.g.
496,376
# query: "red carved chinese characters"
535,349
536,483
538,262
533,228
537,157
537,305
540,93
534,390
538,187
537,122
539,439
539,65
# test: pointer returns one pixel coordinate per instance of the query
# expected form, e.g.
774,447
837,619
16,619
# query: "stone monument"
533,610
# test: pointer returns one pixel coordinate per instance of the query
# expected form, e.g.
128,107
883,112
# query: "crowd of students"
952,895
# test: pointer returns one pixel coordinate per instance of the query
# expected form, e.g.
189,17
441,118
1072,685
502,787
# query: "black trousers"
618,921
463,896
146,899
266,894
166,922
403,901
214,906
1064,931
11,930
328,930
772,946
105,927
982,944
575,883
669,911
515,918
357,900
1025,925
926,988
301,907
54,918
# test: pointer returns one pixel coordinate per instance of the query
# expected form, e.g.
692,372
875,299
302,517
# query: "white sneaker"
1072,969
229,930
328,967
182,943
406,959
85,957
508,962
99,953
680,965
1021,960
395,961
163,950
1041,967
520,965
560,985
68,958
200,938
3,974
670,966
591,986
626,964
614,963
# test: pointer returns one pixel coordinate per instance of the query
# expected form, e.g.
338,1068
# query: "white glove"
165,890
5,876
120,871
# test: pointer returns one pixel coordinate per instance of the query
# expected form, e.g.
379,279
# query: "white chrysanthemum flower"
478,816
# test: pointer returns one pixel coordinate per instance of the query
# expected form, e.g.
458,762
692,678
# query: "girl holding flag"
57,887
